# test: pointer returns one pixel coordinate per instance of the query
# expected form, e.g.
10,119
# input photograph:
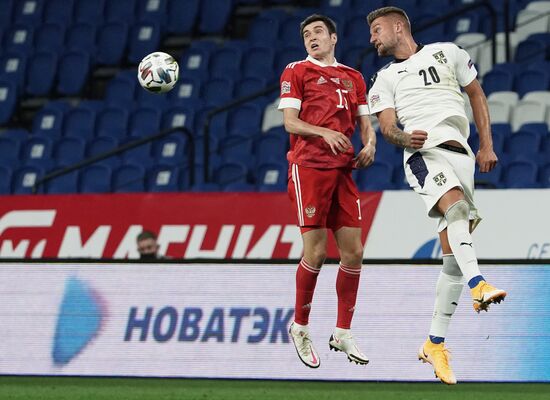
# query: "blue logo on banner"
430,249
78,322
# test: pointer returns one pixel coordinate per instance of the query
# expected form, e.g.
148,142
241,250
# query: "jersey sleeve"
464,66
291,88
362,105
380,94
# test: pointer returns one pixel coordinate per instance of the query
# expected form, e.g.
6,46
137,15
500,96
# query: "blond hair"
381,12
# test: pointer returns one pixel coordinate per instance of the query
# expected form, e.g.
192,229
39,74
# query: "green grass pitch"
70,388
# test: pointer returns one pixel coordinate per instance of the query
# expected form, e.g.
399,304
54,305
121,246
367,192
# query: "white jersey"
425,92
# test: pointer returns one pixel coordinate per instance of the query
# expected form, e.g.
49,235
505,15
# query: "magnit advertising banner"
231,321
256,226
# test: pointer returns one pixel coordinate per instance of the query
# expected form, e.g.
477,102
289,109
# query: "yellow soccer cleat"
484,294
438,356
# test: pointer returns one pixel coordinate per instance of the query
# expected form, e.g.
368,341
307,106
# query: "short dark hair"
380,12
146,235
330,24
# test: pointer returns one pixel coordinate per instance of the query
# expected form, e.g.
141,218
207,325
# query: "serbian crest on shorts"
440,179
310,211
440,57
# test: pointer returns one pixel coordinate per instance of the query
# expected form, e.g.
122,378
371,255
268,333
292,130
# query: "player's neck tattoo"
396,136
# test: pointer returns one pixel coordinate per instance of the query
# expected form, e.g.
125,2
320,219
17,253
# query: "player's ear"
333,38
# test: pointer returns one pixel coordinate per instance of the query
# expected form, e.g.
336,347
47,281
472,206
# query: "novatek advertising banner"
231,321
516,224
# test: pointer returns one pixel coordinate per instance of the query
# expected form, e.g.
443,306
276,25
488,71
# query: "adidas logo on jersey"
321,81
335,80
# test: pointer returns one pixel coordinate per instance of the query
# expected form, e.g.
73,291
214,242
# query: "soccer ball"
158,72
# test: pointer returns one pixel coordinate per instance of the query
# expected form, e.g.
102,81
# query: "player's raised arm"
485,157
394,135
338,142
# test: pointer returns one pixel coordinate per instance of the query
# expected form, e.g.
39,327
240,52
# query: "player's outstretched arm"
365,157
485,157
338,142
396,136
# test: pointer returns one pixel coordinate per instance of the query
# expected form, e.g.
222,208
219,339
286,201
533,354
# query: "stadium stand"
68,75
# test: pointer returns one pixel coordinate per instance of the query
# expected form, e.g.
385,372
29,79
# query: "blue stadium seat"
523,143
113,122
263,31
530,81
5,180
521,174
19,135
430,35
465,23
230,172
144,38
214,15
8,100
69,150
272,146
140,154
286,56
81,37
245,119
171,150
28,12
498,81
120,91
9,151
194,63
540,128
248,86
498,143
19,37
102,145
289,32
13,67
163,178
530,50
63,184
58,11
73,73
79,121
187,90
271,173
217,92
153,10
144,121
182,16
272,188
41,73
129,178
95,179
225,63
239,187
88,10
112,38
357,30
206,187
237,148
177,117
37,148
502,129
258,62
24,179
544,175
6,12
156,100
121,10
361,7
50,37
48,122
378,176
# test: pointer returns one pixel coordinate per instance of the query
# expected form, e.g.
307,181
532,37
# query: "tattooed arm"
394,135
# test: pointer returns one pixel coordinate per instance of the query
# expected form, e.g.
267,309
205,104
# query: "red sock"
306,278
347,283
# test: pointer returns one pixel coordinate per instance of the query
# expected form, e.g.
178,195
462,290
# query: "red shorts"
324,198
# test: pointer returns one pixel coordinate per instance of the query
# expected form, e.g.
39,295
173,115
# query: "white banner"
231,321
515,225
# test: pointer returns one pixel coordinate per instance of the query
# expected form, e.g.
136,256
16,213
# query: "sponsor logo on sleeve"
285,87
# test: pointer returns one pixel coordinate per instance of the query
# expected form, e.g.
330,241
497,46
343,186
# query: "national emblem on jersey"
285,87
310,211
440,179
347,84
440,57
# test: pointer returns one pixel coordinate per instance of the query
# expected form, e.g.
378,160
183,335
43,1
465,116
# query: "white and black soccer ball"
158,72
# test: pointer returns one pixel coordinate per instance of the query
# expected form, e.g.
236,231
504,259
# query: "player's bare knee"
458,211
352,258
316,257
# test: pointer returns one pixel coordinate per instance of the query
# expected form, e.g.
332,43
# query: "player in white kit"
420,90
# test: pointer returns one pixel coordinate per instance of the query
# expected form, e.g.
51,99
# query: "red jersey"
331,96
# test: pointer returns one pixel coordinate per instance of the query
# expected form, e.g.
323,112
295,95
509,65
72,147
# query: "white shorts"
433,172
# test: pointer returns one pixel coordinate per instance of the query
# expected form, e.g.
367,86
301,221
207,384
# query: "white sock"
448,290
297,327
341,333
460,240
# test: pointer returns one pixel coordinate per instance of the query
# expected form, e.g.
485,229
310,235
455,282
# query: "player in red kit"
322,101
